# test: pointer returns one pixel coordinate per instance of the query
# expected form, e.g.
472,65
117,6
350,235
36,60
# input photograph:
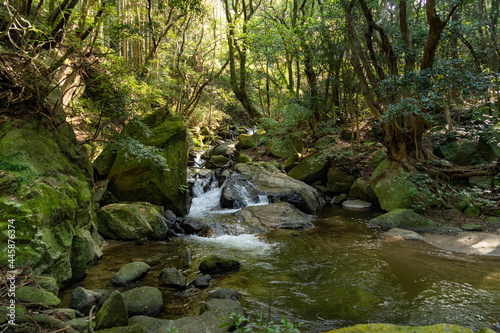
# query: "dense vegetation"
408,73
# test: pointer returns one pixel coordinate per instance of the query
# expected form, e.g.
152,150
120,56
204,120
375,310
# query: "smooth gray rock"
83,299
356,205
172,277
403,234
202,282
130,273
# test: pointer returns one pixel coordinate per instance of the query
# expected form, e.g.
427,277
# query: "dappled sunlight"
480,243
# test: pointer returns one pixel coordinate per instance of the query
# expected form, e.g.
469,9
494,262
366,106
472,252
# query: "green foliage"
141,152
260,325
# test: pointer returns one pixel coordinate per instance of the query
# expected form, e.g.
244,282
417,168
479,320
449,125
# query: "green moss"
390,328
30,294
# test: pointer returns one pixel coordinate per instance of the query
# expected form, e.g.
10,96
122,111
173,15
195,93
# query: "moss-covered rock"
472,210
247,141
408,219
310,169
285,147
378,157
130,221
489,143
219,264
172,277
138,179
472,227
325,142
390,328
28,294
143,301
394,188
460,152
104,162
338,181
361,190
48,193
113,312
292,162
243,158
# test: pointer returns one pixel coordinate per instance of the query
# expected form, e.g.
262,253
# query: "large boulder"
408,219
310,169
247,141
361,190
280,187
238,193
280,215
83,299
394,188
489,143
130,221
460,152
46,192
219,264
135,178
285,147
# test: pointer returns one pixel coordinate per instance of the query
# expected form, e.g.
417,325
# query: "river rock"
172,277
388,328
202,282
134,178
402,234
310,169
237,193
28,294
247,141
225,293
280,215
216,264
46,187
80,324
280,187
356,204
132,221
83,299
127,329
113,312
408,219
143,301
191,227
130,273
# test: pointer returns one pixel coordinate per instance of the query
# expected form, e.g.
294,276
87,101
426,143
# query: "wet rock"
202,282
217,161
280,187
28,294
339,199
83,299
356,204
172,277
237,193
361,190
225,293
191,227
143,301
402,234
221,305
113,312
216,264
281,215
130,273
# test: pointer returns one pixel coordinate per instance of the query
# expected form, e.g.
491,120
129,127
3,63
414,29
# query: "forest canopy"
308,67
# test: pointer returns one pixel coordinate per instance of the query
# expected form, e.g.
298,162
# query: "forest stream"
337,274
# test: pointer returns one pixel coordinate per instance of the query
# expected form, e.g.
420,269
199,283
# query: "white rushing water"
244,242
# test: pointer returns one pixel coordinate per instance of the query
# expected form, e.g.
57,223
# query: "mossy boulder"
219,264
172,277
113,312
361,190
28,294
378,157
285,147
130,221
243,158
292,162
136,178
472,210
390,328
47,190
395,188
130,273
489,143
460,152
83,299
408,219
310,169
325,142
247,141
143,301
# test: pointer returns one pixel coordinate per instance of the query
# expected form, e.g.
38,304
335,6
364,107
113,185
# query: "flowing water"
339,273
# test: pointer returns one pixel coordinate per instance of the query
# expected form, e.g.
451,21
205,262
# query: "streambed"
339,273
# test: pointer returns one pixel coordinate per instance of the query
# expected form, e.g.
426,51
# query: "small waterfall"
249,200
